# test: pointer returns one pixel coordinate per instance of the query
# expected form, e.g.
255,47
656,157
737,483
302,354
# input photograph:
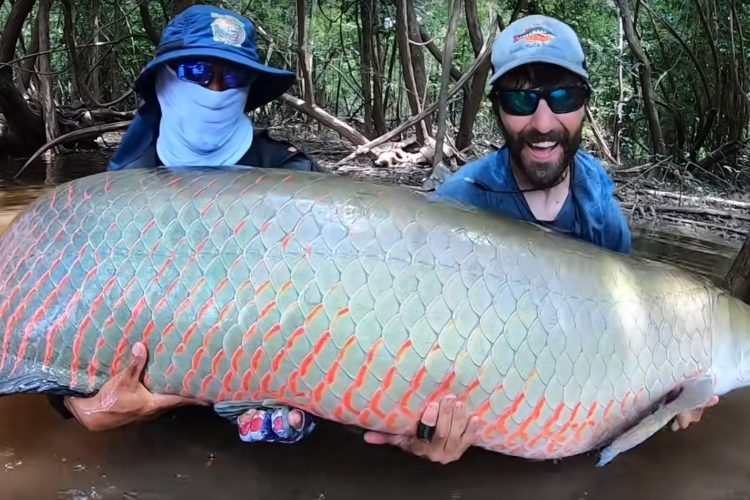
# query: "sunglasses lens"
237,77
566,99
519,102
196,72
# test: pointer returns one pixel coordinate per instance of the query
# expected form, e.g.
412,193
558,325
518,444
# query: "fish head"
731,344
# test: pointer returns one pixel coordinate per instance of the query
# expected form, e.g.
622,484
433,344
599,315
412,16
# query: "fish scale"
357,302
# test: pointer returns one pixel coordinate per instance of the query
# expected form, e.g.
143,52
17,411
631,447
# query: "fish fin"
694,394
35,383
233,409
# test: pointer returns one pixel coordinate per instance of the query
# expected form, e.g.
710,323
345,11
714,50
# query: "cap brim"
265,89
536,59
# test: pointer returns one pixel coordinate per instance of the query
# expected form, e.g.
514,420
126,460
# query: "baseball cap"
208,31
537,39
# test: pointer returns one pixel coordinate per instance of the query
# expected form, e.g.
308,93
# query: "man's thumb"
137,361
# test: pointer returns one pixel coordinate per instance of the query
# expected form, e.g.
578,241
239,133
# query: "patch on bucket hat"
227,29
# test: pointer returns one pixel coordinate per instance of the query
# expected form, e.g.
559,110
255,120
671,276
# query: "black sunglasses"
523,102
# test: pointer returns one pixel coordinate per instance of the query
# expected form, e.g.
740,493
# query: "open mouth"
543,150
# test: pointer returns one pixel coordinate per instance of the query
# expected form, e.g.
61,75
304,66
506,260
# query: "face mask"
200,126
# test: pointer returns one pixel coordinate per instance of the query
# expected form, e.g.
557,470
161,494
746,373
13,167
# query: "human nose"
543,119
217,82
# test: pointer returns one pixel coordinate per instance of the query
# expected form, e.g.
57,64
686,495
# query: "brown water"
192,453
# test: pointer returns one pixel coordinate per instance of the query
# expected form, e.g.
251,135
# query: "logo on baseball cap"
537,39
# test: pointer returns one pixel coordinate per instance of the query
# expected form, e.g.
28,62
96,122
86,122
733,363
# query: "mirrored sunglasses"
524,102
202,73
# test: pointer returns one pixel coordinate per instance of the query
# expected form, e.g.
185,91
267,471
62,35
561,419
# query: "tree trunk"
51,130
303,54
644,71
413,93
620,106
181,5
25,128
366,16
417,59
96,74
473,100
27,65
69,15
450,43
738,277
148,23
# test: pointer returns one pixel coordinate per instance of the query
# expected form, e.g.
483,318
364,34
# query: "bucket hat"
208,31
537,39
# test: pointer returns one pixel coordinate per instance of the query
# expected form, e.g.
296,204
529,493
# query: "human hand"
123,399
684,419
454,432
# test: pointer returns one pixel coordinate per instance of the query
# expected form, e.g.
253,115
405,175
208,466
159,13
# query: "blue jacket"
590,211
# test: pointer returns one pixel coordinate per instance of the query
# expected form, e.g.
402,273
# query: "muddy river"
194,454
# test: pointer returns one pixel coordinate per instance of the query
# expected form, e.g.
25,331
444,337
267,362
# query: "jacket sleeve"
616,235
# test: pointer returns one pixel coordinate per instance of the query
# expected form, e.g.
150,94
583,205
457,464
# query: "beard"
542,175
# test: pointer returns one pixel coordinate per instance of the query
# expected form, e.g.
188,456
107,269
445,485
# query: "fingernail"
138,349
459,406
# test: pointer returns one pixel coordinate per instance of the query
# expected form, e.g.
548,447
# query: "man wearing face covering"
195,94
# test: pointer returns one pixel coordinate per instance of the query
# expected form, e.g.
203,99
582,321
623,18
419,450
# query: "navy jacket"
590,211
138,148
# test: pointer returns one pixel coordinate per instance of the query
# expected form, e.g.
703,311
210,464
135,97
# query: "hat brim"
536,59
272,84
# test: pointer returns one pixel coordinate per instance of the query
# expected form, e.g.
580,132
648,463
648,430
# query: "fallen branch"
693,210
72,136
697,199
325,118
708,225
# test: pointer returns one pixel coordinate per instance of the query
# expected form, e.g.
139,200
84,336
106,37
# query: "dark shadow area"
193,453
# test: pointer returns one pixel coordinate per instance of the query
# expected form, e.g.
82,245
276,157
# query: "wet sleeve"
300,161
458,190
617,236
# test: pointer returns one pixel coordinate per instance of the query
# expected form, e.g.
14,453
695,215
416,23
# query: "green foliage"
696,117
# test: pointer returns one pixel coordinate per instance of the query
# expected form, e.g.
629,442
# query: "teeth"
546,144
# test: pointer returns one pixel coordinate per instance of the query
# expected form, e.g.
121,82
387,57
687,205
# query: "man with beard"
539,91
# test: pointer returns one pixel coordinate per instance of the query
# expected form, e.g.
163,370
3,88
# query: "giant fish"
359,303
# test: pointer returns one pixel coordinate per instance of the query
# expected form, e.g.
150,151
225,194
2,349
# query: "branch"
450,43
693,210
148,22
72,136
13,28
325,118
436,53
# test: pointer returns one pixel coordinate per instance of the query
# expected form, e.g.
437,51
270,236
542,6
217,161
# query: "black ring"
425,432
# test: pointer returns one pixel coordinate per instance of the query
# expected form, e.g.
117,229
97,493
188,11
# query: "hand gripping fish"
359,304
